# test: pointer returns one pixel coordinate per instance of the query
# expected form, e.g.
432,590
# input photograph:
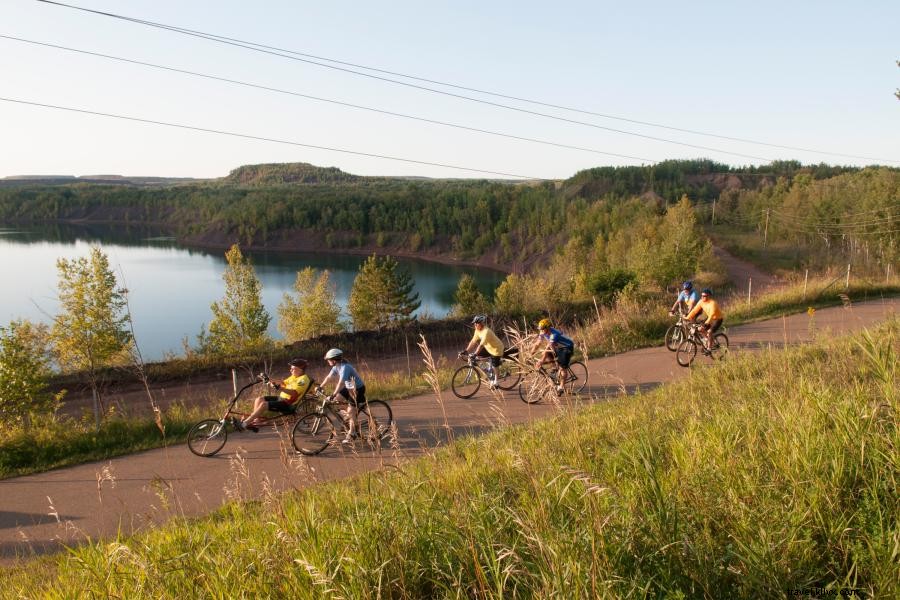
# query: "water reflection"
171,288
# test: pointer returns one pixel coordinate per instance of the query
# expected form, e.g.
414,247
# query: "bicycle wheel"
466,381
535,387
207,437
312,433
575,377
508,375
686,352
720,347
674,337
375,420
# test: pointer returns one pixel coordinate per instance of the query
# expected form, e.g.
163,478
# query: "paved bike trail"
40,513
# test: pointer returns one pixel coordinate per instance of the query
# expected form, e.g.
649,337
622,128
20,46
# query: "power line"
265,139
263,50
276,50
319,99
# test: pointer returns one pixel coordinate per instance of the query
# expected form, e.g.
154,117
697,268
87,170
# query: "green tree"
91,331
24,371
469,299
382,295
240,321
313,311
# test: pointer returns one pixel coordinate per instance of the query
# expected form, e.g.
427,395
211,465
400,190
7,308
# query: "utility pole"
714,212
766,234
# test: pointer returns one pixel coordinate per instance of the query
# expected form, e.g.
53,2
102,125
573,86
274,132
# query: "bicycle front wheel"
312,433
674,337
375,420
508,375
207,437
576,376
466,381
720,347
687,350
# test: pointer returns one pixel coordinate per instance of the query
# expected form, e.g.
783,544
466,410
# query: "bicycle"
467,379
541,384
316,430
677,333
208,437
687,349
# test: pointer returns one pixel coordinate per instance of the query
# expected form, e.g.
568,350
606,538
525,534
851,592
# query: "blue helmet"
707,292
687,285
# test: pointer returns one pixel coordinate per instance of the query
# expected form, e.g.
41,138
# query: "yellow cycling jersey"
710,308
489,341
299,384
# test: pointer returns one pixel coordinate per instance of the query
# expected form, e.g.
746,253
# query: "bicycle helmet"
707,291
479,319
544,324
298,362
687,285
334,353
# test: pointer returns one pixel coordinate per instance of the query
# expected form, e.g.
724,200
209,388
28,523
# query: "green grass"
739,482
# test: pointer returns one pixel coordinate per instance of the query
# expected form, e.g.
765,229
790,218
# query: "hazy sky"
819,75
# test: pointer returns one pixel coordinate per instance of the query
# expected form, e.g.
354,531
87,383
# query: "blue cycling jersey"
693,297
558,339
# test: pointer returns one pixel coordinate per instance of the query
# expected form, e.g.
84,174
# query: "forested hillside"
305,207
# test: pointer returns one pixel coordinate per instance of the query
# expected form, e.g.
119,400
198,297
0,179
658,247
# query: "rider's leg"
259,407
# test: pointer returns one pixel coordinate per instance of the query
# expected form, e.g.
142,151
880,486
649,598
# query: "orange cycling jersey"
709,307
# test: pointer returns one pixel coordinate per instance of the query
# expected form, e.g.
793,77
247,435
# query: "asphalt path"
42,513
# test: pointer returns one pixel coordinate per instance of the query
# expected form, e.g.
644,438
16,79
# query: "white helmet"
334,353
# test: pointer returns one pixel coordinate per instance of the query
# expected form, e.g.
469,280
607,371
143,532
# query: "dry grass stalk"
431,376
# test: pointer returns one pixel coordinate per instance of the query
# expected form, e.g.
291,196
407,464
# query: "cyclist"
486,344
714,316
559,348
686,299
349,385
293,388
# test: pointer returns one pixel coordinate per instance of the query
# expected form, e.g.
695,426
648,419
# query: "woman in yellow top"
293,388
714,315
487,345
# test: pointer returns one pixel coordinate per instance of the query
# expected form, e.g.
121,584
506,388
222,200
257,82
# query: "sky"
816,75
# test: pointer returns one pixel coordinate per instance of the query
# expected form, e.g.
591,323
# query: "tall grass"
771,473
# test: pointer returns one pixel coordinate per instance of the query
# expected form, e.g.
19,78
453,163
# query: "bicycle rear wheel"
312,433
535,387
375,420
687,350
466,381
575,377
674,337
508,375
207,437
720,347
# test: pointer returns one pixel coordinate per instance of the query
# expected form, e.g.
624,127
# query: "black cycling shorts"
277,404
360,399
495,360
714,325
563,356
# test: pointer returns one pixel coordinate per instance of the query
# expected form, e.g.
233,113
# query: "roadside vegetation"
739,482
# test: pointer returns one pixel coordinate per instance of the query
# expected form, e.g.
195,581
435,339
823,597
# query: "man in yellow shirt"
292,388
487,345
714,315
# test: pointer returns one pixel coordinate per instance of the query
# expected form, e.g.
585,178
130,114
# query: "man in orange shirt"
714,315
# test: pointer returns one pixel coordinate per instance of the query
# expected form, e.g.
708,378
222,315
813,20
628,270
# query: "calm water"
171,287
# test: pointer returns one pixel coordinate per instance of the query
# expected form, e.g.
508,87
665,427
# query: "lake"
171,287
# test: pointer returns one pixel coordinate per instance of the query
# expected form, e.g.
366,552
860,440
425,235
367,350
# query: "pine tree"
91,331
469,299
313,311
240,321
382,295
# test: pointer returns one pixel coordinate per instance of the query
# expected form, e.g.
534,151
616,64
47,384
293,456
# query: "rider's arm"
694,311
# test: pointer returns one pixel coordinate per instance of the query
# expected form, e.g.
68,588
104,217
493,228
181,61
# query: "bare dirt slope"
40,513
